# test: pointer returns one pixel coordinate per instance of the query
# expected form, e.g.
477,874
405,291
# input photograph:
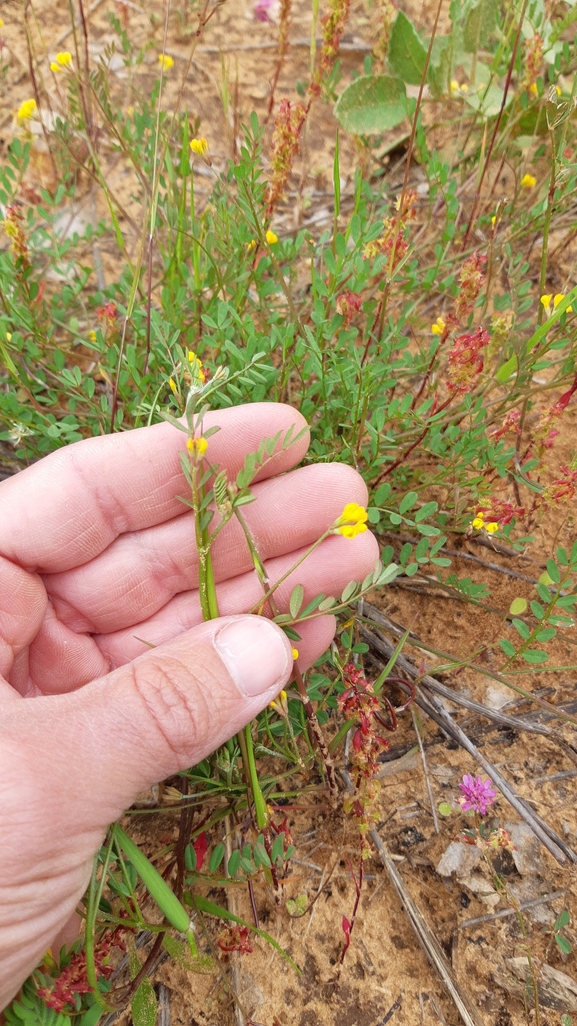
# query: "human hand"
97,558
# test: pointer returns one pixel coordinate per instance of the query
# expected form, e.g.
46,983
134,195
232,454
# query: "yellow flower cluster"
26,110
63,60
270,236
197,446
479,524
438,327
528,181
546,302
165,62
199,146
352,521
459,88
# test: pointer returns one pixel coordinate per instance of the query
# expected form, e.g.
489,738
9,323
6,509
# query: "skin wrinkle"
166,700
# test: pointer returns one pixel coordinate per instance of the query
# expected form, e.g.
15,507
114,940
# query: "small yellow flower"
54,67
557,90
197,446
8,336
528,181
196,366
92,336
533,88
295,653
165,61
281,704
438,327
492,527
494,219
1,22
546,300
172,384
557,299
352,521
271,238
454,85
478,523
26,110
64,59
199,146
251,245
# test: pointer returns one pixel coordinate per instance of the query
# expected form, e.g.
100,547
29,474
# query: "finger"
140,572
75,762
97,489
23,604
328,569
61,660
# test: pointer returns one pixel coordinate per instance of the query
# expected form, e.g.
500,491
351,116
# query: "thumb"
94,750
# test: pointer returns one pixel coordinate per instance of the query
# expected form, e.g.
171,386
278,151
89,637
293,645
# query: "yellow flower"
438,327
196,366
295,653
528,181
533,88
546,300
478,522
92,336
199,146
454,85
64,59
165,61
26,110
54,67
557,299
352,521
271,238
251,245
172,384
557,90
1,22
197,446
491,528
281,704
494,219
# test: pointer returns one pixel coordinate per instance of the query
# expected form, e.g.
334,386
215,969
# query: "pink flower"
478,794
266,10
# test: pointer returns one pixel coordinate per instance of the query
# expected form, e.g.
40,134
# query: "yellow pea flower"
352,521
271,238
166,62
172,384
491,528
199,146
528,181
54,67
295,653
438,327
478,523
26,110
197,446
533,88
557,299
64,58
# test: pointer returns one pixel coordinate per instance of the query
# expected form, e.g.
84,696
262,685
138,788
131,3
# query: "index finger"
70,506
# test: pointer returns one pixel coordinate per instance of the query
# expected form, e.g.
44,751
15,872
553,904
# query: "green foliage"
372,105
30,1010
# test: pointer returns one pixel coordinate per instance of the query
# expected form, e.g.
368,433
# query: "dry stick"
416,725
163,1005
510,911
554,844
428,942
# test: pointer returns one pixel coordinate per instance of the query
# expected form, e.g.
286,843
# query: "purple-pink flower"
266,10
478,794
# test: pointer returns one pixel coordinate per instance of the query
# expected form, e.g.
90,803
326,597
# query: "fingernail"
255,653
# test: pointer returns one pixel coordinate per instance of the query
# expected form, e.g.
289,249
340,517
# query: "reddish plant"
73,979
348,304
500,512
235,938
285,146
471,281
465,360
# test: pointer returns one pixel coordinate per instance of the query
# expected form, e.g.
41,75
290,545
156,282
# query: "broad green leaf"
546,634
480,25
216,858
407,53
439,73
296,600
553,571
522,629
563,944
426,511
233,863
445,809
534,655
407,502
144,1005
371,105
507,647
517,606
153,881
